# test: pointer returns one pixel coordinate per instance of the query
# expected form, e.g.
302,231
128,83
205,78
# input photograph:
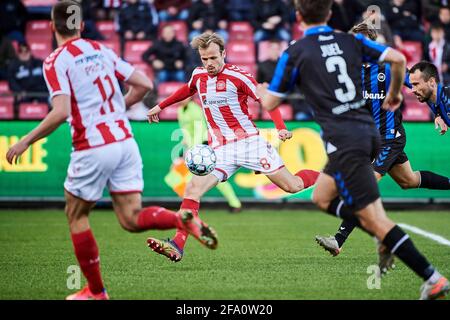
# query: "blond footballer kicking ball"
200,160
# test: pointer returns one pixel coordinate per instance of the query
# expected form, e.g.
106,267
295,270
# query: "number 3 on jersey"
337,63
101,88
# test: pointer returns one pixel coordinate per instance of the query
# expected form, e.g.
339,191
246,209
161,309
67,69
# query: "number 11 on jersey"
101,88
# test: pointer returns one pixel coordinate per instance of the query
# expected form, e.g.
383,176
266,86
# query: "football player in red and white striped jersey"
224,90
82,77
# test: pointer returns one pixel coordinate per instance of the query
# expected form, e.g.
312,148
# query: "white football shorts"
253,153
116,165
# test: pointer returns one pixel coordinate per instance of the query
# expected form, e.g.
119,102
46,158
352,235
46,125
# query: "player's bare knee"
409,183
323,205
129,221
366,224
319,201
77,220
130,227
72,214
372,225
404,185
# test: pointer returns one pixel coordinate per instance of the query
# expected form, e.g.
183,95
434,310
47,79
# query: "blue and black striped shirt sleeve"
285,76
444,105
372,51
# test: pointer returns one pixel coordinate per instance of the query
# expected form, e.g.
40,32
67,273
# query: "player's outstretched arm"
283,133
140,84
270,103
59,114
181,94
398,66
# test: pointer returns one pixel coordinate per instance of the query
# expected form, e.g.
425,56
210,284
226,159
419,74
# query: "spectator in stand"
167,57
438,52
266,68
270,20
89,9
193,60
345,13
208,15
239,10
7,54
25,77
171,10
430,9
107,9
13,19
444,19
138,20
384,5
404,17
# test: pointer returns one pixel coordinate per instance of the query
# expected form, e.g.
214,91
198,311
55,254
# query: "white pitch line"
426,234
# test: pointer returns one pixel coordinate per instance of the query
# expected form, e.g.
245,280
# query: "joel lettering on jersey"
330,50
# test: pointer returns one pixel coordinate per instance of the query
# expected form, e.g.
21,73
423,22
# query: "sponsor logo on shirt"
374,96
219,102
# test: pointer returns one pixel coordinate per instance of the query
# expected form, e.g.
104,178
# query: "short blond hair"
204,40
366,30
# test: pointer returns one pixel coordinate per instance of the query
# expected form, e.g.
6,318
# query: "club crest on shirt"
48,63
381,77
221,85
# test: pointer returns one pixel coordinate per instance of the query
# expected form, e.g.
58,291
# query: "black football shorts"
350,155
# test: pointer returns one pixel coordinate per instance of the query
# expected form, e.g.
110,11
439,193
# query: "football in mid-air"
200,160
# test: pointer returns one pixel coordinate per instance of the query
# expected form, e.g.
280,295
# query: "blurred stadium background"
405,24
36,183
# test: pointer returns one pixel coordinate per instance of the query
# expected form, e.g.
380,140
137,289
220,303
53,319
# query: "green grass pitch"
268,254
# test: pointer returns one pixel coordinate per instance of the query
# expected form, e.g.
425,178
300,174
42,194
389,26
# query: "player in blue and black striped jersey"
424,79
392,159
326,66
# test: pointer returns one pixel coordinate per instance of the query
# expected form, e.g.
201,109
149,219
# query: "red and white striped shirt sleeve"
122,69
185,91
249,86
55,75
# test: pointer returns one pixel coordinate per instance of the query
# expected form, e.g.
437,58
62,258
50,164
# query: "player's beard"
425,97
213,71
